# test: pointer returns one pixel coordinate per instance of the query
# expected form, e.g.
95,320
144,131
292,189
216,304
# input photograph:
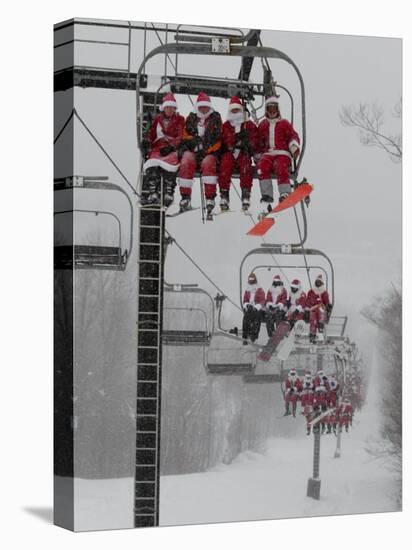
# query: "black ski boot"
169,182
144,196
283,196
245,200
210,204
287,411
185,203
266,198
153,175
224,200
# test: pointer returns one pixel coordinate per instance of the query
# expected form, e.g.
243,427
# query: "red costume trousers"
208,171
277,164
228,164
316,316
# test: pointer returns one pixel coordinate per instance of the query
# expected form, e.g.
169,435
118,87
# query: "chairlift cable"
301,244
202,271
64,127
105,152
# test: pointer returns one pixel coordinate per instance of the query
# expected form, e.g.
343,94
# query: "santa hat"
169,100
203,100
295,283
320,373
235,103
292,372
277,279
271,99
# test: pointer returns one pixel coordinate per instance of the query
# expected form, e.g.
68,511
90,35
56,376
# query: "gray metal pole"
313,489
338,443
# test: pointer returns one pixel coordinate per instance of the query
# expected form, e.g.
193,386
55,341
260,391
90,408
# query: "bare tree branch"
369,120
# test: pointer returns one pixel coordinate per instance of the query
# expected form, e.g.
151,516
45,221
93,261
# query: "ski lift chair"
283,250
195,322
91,256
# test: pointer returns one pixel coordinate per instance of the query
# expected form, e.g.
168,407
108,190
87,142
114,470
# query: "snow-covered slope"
273,484
256,486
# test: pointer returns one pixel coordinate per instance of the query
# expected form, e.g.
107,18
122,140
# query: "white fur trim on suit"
293,143
152,163
274,152
233,106
272,130
271,99
203,104
258,306
159,131
184,182
209,179
168,104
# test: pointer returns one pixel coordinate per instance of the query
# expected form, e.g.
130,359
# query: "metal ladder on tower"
149,364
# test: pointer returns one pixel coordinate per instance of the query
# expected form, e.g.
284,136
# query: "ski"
180,212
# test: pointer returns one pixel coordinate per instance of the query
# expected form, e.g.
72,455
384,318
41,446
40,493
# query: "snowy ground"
254,487
273,485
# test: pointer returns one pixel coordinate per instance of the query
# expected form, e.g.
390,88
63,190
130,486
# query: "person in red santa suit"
253,308
319,307
345,413
276,304
293,387
296,302
159,147
319,378
240,142
279,144
200,148
306,400
333,389
333,421
320,403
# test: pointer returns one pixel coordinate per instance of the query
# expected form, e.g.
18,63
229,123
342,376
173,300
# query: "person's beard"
236,118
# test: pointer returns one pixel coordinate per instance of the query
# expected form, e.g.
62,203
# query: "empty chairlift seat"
90,234
228,357
187,316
